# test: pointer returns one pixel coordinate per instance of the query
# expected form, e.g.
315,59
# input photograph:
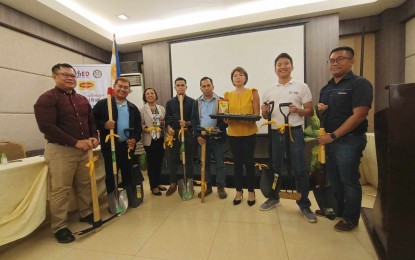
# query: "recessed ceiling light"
123,17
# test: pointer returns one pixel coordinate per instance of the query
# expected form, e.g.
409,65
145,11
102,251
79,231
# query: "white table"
23,196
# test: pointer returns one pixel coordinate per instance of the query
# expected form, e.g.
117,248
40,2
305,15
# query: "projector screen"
255,51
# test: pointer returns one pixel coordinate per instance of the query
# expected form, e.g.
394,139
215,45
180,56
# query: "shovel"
288,180
96,226
324,193
185,186
269,179
117,201
137,177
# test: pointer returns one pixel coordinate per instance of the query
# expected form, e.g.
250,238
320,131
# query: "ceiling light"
123,17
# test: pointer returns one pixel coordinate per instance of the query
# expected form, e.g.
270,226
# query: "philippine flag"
115,62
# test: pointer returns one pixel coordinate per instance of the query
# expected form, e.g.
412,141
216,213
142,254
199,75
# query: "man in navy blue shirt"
345,102
174,124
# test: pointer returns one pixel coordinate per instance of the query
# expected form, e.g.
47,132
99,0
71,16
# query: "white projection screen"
255,51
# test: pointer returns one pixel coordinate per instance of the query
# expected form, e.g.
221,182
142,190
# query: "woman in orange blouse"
242,134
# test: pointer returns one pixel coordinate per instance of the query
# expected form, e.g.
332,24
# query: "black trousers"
155,154
174,155
123,164
243,148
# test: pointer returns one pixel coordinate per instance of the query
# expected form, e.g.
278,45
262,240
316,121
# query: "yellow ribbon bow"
158,129
261,165
91,165
168,141
281,129
109,136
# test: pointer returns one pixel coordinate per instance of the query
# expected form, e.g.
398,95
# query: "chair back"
12,150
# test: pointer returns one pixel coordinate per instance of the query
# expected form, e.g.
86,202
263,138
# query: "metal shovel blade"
186,190
118,206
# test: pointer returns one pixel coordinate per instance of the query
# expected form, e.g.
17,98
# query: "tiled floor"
169,228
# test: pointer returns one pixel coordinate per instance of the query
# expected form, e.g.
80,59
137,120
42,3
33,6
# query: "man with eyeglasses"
345,102
66,119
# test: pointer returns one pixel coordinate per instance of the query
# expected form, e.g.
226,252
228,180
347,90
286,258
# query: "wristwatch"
333,136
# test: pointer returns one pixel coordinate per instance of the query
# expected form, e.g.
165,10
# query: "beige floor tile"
169,228
323,243
85,254
37,246
125,236
248,241
244,213
211,209
289,213
180,238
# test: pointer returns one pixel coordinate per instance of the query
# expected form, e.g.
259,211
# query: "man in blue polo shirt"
204,106
125,115
345,102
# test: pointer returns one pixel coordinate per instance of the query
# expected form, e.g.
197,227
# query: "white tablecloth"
23,196
368,164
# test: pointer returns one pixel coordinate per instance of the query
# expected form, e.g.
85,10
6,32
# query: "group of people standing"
70,127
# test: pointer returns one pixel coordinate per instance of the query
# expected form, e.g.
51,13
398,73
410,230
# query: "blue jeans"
298,166
342,165
215,148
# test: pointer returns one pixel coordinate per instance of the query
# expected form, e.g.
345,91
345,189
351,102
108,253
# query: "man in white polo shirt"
289,90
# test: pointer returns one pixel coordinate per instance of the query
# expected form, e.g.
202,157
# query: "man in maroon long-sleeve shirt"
67,121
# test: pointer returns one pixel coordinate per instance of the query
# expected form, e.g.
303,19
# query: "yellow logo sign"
86,85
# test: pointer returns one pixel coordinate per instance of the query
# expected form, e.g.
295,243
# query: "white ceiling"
98,26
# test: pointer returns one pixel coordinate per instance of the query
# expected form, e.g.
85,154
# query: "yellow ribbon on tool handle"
91,165
158,129
261,165
168,141
280,128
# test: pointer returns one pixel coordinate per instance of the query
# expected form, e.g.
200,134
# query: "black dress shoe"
162,188
64,235
251,202
157,193
88,219
207,192
237,202
172,189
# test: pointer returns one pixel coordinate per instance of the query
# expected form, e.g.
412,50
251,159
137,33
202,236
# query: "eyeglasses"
67,76
339,60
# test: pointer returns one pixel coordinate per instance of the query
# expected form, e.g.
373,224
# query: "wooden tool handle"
321,149
180,97
202,170
94,192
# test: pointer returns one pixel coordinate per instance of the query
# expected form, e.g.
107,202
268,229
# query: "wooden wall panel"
322,35
157,72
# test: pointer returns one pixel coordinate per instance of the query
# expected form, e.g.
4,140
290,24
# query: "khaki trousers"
67,167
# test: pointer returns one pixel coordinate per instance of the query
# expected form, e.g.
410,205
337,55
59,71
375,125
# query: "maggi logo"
86,85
